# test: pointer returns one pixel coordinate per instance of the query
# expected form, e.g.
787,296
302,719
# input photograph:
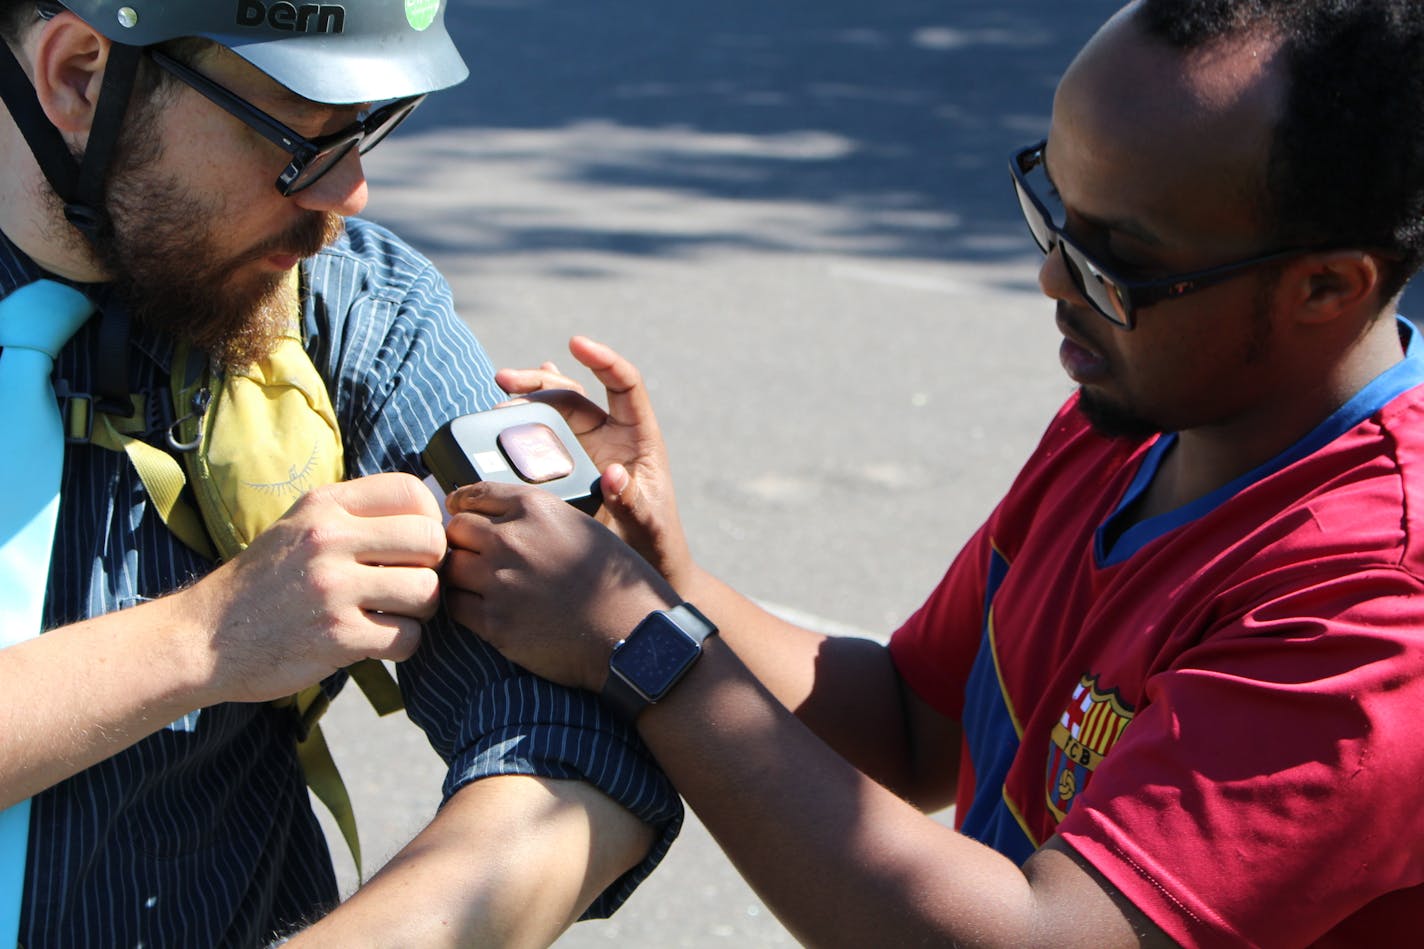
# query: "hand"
350,572
624,442
549,587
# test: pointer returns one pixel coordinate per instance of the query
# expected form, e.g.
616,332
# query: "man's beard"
1112,419
161,245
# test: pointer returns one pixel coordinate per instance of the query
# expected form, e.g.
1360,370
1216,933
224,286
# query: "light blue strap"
14,841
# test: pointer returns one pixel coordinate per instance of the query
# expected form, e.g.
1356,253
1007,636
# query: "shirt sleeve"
936,646
406,365
1271,783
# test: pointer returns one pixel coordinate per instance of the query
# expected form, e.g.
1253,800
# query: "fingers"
467,609
380,495
398,638
412,592
546,384
628,402
388,519
399,541
492,499
525,381
581,414
619,490
465,572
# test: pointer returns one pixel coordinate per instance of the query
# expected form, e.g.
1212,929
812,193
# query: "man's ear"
69,60
1327,284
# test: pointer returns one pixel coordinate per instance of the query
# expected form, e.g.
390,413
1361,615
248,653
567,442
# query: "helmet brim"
357,69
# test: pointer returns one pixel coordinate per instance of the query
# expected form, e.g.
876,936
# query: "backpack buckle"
76,411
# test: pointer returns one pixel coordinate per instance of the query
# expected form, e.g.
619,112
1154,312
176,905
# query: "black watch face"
655,655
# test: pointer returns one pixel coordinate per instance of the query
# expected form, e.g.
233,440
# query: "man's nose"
342,190
1054,279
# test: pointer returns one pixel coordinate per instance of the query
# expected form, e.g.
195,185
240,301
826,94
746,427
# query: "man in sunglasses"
185,165
1173,684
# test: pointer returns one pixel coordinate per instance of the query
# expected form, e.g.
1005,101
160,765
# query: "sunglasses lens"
1102,293
1039,223
1106,296
364,136
1037,219
320,164
380,125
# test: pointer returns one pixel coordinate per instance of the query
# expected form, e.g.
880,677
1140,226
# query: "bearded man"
194,171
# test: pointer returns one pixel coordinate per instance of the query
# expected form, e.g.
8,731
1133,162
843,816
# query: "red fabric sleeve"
935,647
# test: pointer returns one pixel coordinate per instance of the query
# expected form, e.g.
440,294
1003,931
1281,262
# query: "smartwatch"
650,660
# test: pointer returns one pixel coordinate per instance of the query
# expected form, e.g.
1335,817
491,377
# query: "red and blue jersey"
1219,707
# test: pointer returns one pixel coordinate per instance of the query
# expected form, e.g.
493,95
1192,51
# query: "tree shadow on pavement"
895,117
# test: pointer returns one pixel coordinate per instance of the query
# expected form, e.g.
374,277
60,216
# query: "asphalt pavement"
796,218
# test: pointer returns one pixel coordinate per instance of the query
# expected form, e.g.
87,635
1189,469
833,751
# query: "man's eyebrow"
1126,225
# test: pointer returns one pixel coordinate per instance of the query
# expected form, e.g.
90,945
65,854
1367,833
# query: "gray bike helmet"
336,53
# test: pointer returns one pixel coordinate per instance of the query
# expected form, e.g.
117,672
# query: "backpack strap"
252,441
163,477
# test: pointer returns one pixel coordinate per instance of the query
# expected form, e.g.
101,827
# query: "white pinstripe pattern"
202,835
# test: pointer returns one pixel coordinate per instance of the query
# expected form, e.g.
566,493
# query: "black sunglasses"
1116,298
311,157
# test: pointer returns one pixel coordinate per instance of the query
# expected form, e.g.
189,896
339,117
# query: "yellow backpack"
252,441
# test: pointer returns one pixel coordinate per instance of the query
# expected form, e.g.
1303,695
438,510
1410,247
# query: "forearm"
301,602
83,692
844,689
509,861
841,860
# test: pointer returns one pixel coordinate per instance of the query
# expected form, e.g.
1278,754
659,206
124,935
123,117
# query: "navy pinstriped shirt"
202,834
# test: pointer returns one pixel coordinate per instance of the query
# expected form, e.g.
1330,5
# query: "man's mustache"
303,239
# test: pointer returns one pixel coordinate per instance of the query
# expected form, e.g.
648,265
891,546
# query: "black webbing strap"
111,376
82,207
44,139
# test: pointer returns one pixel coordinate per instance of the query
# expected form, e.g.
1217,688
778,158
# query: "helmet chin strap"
80,185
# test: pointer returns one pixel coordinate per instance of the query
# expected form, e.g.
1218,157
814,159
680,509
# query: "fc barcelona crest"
1086,732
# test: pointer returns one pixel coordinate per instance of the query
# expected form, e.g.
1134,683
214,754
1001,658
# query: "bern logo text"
293,17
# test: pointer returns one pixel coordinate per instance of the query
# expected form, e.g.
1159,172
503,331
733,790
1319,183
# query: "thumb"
620,493
645,525
625,504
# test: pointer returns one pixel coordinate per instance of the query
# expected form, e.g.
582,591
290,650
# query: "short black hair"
1346,164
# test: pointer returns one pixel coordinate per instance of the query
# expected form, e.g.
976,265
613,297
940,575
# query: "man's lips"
1079,359
305,238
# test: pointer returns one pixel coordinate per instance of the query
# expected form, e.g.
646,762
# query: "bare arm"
348,573
839,858
846,690
508,861
843,861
